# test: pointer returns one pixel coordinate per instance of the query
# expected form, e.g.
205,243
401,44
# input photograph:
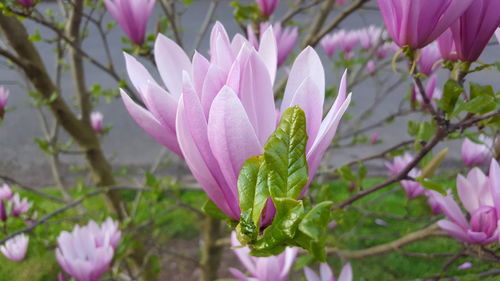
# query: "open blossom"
480,196
447,47
274,268
26,3
15,248
412,188
132,16
343,40
96,122
369,37
416,23
19,206
267,7
285,39
474,154
474,29
221,111
5,192
326,273
385,49
87,251
4,98
429,57
432,92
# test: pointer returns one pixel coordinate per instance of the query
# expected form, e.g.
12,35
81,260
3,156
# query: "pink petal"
171,61
346,273
269,52
151,125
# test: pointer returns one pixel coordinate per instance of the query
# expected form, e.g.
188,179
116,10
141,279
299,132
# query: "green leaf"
452,91
480,104
289,212
439,187
313,229
477,90
212,210
346,173
253,192
426,131
285,155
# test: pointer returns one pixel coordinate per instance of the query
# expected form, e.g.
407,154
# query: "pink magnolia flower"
433,203
474,29
342,39
432,92
329,43
447,46
267,7
96,122
429,56
225,108
475,154
386,49
5,192
369,37
416,23
132,16
3,211
4,98
275,268
370,67
479,195
412,188
285,39
26,3
374,138
19,206
15,248
87,251
326,273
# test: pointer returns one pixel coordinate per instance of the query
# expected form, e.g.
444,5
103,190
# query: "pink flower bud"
4,98
132,16
96,122
429,57
465,265
15,248
267,7
447,47
3,211
26,3
370,68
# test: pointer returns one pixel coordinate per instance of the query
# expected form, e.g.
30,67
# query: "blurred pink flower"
267,7
96,122
132,16
369,37
416,23
285,39
370,67
87,251
429,57
4,98
5,192
432,92
447,47
475,154
412,188
326,273
221,111
274,268
19,206
465,265
15,248
26,3
374,138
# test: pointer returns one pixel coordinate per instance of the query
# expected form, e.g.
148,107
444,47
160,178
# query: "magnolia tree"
258,120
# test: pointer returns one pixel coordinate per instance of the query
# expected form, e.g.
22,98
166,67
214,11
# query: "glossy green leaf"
289,213
285,155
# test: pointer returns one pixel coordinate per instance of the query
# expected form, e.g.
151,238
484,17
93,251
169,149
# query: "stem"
211,252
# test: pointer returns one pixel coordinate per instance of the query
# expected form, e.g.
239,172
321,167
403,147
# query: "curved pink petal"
171,61
231,135
256,95
346,273
200,69
307,64
161,104
137,73
494,184
326,272
151,125
268,50
468,194
311,275
214,80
